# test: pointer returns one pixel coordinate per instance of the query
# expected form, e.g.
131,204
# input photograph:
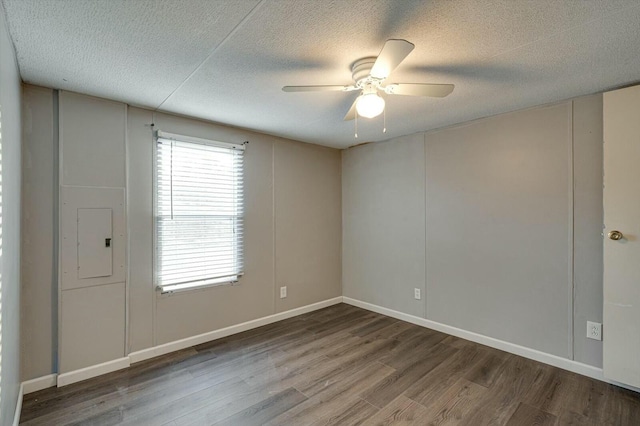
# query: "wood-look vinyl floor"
338,366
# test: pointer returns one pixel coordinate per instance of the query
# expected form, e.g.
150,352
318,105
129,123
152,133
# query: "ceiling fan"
370,74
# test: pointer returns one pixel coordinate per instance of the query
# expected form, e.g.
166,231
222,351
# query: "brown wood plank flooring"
338,366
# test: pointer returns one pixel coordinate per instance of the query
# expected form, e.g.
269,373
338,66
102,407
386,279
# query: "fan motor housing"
362,68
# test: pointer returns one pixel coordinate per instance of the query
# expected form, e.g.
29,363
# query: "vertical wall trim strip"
571,235
341,225
56,231
60,174
424,158
273,219
154,293
127,276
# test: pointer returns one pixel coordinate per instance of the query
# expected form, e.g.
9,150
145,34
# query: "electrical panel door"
95,257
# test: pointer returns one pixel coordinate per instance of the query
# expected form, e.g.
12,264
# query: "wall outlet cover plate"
594,330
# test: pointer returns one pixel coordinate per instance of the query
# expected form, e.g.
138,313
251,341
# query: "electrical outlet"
283,292
416,293
594,330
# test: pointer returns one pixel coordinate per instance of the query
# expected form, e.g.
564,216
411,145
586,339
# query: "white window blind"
199,212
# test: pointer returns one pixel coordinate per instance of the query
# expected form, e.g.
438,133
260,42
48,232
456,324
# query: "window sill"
228,281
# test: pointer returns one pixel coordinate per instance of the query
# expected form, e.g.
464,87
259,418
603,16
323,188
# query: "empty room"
319,212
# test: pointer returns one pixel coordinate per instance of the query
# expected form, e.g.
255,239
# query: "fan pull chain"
356,135
384,121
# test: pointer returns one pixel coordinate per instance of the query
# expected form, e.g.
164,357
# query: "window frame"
159,134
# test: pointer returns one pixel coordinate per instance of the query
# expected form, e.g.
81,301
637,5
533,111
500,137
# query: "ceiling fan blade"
418,89
318,88
393,52
352,111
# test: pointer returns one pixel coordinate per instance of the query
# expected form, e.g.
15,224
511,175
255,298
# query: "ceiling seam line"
215,49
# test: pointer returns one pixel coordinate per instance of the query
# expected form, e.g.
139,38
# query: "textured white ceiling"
226,61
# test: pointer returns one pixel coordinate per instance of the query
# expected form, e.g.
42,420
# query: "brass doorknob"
615,235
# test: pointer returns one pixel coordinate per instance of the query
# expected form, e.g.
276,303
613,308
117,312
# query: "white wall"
498,227
383,223
292,222
10,252
39,219
497,199
92,166
402,208
587,224
292,226
308,223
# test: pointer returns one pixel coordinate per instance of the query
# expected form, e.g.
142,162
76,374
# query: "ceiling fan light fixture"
370,105
370,76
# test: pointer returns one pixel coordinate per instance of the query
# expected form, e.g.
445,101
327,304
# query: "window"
199,212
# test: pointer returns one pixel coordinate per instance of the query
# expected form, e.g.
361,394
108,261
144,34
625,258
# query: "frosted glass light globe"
370,105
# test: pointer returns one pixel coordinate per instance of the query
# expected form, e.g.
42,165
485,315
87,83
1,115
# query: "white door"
621,332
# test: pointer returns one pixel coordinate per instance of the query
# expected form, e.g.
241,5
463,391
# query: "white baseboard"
227,331
97,370
39,383
118,364
16,415
553,360
92,371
